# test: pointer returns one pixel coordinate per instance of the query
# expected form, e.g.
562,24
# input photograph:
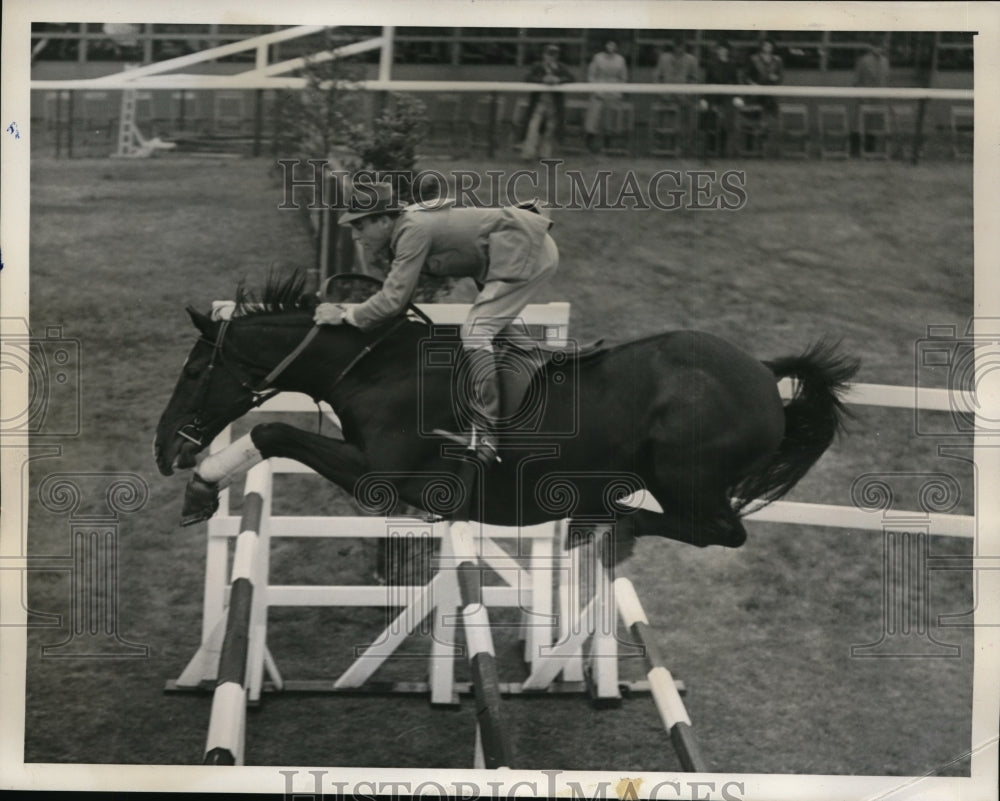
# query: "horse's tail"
813,418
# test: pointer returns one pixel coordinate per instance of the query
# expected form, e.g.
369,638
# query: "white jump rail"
915,399
261,81
227,724
665,695
493,748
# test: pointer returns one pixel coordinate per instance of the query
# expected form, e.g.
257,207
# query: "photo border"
15,170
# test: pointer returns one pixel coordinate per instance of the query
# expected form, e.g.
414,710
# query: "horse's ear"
201,321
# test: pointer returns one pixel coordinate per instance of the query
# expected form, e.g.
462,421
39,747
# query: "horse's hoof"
201,501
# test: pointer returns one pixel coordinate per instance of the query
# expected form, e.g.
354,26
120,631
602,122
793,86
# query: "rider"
506,251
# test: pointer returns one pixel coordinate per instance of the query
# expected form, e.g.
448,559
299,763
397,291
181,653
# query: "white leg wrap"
222,467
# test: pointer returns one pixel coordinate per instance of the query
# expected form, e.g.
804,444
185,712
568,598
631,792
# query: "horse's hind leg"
693,523
689,478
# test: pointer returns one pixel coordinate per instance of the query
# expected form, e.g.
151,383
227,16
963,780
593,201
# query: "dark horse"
684,415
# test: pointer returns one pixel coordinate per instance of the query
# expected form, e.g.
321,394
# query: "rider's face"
374,232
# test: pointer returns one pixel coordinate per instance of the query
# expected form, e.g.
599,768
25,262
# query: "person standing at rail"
676,65
765,69
508,252
870,70
716,112
603,114
546,110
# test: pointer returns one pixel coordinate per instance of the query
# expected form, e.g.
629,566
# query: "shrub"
390,143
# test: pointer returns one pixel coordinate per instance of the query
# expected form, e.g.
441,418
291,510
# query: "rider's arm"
411,249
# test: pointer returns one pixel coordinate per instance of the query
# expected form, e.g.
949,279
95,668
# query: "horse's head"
237,363
211,392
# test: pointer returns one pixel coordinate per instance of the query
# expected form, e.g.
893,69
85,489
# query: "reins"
271,377
194,431
366,350
258,395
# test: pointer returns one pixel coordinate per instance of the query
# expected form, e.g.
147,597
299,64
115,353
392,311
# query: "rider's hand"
329,314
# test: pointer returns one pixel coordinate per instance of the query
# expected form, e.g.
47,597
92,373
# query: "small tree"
322,115
390,143
328,120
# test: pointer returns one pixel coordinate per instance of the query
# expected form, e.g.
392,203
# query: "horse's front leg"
333,459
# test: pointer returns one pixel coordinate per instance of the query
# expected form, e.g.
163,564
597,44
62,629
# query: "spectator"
870,70
677,65
765,69
716,111
546,110
603,117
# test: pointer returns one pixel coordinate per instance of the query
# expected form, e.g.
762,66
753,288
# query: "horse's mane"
281,293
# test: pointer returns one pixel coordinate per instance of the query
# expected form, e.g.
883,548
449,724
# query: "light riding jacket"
442,239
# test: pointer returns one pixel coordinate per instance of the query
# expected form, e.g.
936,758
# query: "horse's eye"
192,370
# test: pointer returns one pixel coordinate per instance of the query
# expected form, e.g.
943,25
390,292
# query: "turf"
871,253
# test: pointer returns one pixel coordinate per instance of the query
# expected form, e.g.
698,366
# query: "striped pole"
227,725
493,748
665,696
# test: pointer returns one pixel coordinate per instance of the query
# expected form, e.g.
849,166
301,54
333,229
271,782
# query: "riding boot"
482,395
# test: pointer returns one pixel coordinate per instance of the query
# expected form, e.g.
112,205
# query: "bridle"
194,431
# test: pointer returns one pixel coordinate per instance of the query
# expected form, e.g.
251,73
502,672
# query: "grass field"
871,253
